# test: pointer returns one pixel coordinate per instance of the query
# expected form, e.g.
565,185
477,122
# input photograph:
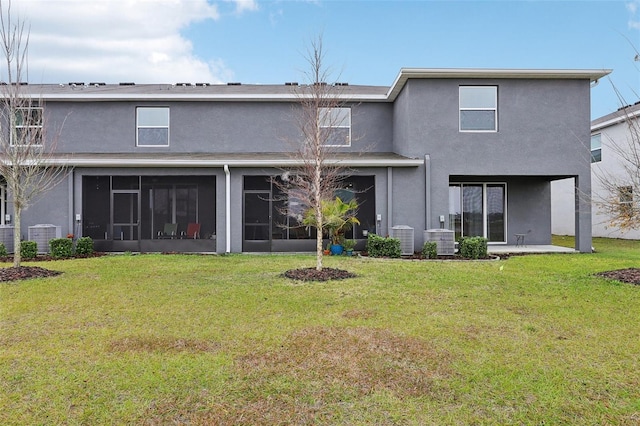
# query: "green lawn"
188,339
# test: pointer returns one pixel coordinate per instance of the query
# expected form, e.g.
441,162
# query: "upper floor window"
27,126
478,108
152,126
335,124
596,148
625,198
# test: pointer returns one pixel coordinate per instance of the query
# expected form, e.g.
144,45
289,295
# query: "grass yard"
200,340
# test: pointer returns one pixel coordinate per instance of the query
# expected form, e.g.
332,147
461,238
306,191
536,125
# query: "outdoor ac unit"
6,237
445,240
405,234
42,234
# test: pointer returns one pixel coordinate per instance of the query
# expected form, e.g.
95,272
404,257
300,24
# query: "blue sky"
366,42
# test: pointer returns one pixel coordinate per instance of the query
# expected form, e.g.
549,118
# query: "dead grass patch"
363,358
314,375
163,345
334,364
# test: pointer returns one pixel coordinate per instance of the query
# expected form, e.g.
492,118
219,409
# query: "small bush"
61,247
28,249
378,246
3,250
430,249
84,246
473,247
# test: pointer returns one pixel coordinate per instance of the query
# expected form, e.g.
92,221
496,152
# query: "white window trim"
168,127
38,126
339,127
494,109
3,205
596,149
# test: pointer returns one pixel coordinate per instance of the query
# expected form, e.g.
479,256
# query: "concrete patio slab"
500,249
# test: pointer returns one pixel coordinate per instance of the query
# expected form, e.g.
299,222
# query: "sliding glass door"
478,209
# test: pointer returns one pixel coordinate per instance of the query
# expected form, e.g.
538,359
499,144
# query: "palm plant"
337,217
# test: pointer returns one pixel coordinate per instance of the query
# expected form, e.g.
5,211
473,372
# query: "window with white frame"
4,219
335,126
625,197
478,108
596,148
27,126
152,126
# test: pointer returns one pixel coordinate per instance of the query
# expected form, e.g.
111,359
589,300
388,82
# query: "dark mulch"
629,275
28,272
311,274
25,273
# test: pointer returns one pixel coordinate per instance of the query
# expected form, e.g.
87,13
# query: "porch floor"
498,249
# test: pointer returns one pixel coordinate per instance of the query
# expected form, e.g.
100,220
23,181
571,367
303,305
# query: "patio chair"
170,231
193,231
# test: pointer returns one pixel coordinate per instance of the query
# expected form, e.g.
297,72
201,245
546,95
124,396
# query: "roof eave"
485,73
277,163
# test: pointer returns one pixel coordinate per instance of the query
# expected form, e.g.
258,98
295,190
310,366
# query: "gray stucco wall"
51,207
205,127
543,130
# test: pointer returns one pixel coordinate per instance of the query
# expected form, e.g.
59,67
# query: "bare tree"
319,119
618,185
25,151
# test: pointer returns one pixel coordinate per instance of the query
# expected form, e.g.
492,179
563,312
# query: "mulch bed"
311,274
629,275
25,273
28,272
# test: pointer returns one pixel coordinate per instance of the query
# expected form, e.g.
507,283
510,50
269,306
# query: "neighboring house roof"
80,91
622,114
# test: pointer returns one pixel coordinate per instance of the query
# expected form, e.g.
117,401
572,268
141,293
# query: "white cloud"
634,19
245,5
117,40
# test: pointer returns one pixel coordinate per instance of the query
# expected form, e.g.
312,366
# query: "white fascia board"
491,73
118,162
198,97
616,120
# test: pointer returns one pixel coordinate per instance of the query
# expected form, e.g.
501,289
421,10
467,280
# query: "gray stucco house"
471,150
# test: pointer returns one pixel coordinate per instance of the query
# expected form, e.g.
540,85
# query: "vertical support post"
583,214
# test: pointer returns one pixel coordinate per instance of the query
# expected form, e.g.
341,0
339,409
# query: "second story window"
27,126
596,148
478,108
625,197
335,123
152,126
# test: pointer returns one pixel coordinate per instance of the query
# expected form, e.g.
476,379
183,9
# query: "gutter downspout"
72,206
227,182
389,199
427,195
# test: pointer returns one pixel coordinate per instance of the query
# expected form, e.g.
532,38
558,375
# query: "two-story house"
471,150
613,151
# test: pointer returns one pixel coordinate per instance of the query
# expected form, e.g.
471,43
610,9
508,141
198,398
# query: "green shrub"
84,246
61,247
378,246
430,249
28,249
3,250
473,247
